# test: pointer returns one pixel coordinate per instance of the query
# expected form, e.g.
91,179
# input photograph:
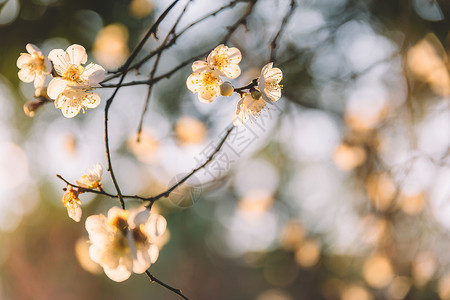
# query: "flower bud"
226,89
255,94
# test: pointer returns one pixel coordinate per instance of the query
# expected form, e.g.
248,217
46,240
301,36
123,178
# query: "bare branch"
286,18
153,279
152,30
210,158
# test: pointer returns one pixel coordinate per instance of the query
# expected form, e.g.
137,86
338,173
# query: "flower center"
121,224
221,61
73,74
209,79
139,236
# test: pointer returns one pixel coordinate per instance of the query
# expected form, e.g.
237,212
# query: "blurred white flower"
33,66
123,242
268,83
72,91
91,179
225,61
250,105
72,203
205,81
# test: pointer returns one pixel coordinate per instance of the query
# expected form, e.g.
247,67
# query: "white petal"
91,100
39,81
121,273
70,107
156,226
56,87
60,60
33,49
206,96
234,55
47,66
114,212
98,229
138,217
232,71
194,82
96,253
273,94
199,66
25,75
273,75
23,59
75,212
93,74
142,262
153,252
77,54
240,116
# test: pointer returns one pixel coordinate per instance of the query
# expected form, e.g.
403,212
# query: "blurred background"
341,190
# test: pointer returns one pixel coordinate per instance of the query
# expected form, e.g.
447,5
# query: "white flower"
123,242
33,66
268,83
205,81
91,179
72,203
72,90
72,100
250,105
225,61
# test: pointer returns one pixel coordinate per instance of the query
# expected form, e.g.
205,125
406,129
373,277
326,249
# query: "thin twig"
174,38
155,67
210,158
241,21
152,30
286,18
153,279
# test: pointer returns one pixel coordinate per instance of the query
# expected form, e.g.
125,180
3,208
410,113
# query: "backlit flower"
123,242
72,100
33,66
72,90
268,83
91,179
225,61
251,105
72,203
204,81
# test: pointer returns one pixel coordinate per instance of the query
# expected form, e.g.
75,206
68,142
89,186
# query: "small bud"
226,89
255,94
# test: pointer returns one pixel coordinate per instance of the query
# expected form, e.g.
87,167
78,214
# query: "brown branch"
153,279
210,158
286,18
241,21
155,67
152,30
172,41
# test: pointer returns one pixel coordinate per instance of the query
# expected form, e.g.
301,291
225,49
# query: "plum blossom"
205,81
72,91
91,179
124,241
268,83
72,203
266,91
33,66
225,61
251,105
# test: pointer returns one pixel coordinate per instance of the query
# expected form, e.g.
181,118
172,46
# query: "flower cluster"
90,180
205,80
124,241
72,86
223,61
